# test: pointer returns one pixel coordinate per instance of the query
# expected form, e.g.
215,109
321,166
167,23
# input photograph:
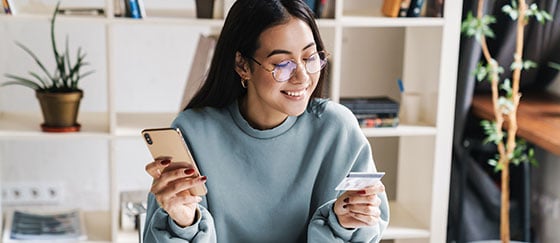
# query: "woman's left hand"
355,209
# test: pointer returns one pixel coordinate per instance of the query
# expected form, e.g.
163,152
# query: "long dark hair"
245,22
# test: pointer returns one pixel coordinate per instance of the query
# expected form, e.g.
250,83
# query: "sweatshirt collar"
268,133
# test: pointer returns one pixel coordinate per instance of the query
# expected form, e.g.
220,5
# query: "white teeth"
295,94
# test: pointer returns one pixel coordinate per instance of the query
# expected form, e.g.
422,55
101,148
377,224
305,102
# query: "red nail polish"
165,162
203,178
362,192
189,171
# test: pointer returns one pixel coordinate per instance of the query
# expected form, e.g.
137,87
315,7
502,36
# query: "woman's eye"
283,63
311,58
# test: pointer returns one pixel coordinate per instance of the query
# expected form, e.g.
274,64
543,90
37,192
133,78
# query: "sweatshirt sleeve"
324,226
160,227
356,156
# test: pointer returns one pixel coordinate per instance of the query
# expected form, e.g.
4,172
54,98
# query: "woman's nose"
300,75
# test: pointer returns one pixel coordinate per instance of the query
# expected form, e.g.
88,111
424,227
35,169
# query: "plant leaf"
36,60
506,86
21,81
478,27
512,12
506,105
53,38
44,84
554,65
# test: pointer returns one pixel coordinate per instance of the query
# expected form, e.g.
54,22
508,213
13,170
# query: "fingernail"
362,192
189,171
346,200
203,178
165,162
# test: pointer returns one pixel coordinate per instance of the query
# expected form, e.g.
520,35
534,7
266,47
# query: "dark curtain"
474,203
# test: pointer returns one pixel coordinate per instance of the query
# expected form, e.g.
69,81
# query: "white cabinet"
140,72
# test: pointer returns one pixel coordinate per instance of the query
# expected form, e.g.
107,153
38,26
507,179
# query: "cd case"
44,226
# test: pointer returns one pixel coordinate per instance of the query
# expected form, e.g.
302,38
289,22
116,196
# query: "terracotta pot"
204,9
60,110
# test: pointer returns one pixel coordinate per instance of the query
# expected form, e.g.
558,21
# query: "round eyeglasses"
286,69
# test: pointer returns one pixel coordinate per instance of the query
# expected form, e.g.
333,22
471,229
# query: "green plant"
554,65
505,94
66,75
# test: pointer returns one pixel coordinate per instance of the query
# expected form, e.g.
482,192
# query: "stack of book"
373,111
412,8
44,226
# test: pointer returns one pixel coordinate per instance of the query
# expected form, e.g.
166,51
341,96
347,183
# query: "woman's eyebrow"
280,51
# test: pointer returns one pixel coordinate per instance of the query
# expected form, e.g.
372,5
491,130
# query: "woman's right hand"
171,190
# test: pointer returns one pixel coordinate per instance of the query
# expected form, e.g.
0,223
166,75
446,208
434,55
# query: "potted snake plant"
58,92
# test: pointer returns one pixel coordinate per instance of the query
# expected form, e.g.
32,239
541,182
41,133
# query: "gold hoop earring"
244,83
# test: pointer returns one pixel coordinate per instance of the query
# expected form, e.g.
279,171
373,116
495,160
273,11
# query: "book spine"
118,8
311,4
133,10
374,111
141,8
328,9
6,7
9,7
434,8
391,8
319,8
370,106
403,8
378,122
415,8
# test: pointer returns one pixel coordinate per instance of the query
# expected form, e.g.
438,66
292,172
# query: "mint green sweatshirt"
274,185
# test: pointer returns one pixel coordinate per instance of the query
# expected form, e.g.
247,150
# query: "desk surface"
538,118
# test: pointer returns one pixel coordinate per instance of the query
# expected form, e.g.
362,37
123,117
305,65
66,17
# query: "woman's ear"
242,67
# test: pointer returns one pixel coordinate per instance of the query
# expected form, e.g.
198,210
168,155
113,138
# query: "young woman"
270,149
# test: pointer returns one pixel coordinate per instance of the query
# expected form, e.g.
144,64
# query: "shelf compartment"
131,124
28,125
402,225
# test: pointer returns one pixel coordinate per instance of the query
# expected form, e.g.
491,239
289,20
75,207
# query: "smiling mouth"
295,93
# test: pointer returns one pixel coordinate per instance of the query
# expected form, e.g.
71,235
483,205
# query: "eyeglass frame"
294,61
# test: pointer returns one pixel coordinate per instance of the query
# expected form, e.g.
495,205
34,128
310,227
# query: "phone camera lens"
148,138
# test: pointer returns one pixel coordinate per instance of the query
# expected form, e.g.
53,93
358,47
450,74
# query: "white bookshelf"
140,72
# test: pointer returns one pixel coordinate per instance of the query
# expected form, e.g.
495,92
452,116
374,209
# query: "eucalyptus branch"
504,107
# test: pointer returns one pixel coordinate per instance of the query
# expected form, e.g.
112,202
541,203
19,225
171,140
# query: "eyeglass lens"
284,71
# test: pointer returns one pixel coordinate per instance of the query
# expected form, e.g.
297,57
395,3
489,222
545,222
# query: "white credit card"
359,180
